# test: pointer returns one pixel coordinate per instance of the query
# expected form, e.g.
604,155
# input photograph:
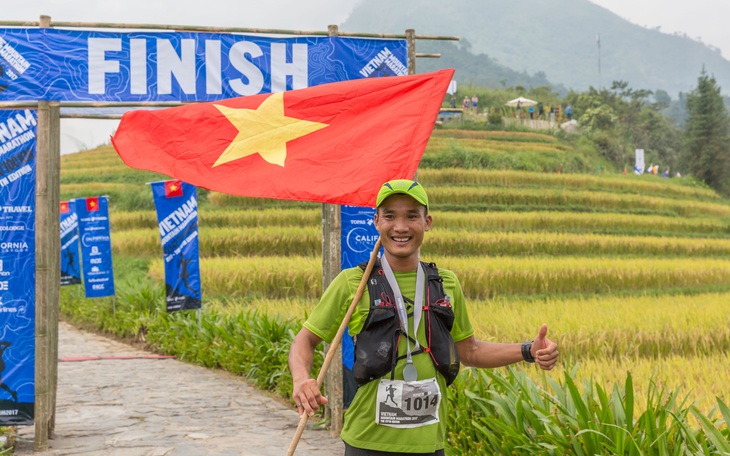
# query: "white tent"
521,101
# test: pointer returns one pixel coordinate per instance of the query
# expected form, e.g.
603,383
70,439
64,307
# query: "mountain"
480,70
553,40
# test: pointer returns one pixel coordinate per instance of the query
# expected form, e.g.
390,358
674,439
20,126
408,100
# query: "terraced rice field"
632,273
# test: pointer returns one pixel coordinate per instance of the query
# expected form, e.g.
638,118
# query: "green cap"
404,186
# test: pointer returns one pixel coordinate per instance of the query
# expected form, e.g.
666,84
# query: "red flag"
333,143
173,188
64,207
92,204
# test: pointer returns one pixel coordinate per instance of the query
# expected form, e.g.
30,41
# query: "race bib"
406,405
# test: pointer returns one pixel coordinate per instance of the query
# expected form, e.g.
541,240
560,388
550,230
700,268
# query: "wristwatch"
526,354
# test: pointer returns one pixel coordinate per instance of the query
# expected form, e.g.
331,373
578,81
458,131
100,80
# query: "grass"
631,184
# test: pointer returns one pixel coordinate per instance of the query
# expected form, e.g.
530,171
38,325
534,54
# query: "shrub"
494,118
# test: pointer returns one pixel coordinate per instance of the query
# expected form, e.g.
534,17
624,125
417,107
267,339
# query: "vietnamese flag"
334,143
92,204
173,188
64,207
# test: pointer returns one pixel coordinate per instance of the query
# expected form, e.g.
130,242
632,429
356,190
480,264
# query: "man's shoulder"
354,273
446,274
359,269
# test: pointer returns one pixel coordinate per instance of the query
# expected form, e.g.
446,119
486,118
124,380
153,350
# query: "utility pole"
598,42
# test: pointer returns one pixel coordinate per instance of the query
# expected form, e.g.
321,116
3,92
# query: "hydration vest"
376,346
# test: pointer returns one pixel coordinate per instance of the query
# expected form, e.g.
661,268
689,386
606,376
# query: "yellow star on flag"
173,187
264,131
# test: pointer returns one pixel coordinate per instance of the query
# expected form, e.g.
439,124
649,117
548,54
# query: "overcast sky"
699,19
703,20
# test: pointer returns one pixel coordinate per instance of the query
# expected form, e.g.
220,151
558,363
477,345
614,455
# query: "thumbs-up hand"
544,350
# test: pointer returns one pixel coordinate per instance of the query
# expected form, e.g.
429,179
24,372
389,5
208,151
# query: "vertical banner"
639,167
17,266
177,218
96,246
358,237
70,264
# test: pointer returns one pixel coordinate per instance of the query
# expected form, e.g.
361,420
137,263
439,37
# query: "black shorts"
352,451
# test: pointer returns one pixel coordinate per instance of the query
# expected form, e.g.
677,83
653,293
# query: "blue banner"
70,259
82,65
177,218
358,238
17,266
96,246
358,234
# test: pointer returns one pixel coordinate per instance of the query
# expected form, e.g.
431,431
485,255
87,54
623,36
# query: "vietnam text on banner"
17,267
335,143
177,218
70,258
83,65
96,246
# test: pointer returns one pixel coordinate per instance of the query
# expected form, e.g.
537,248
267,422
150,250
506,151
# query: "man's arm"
478,353
305,392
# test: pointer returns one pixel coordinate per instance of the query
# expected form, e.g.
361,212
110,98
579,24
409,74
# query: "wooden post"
42,310
54,255
331,266
411,40
47,270
48,280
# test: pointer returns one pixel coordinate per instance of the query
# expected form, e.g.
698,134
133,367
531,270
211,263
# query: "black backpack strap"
440,320
381,297
436,294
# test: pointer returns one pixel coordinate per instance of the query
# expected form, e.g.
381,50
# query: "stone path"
160,407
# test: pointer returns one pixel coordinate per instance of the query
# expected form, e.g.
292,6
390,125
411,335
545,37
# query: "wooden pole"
331,266
411,40
42,336
195,28
47,271
336,342
54,255
48,280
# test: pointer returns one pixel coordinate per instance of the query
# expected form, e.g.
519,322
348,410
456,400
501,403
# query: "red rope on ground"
99,358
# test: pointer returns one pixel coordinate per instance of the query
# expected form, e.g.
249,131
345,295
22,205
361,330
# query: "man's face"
401,222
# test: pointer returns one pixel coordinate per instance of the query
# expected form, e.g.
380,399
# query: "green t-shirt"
360,429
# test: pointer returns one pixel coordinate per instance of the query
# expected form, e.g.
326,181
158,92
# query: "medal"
410,374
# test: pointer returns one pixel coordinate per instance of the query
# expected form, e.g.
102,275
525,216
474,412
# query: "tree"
620,119
662,100
707,152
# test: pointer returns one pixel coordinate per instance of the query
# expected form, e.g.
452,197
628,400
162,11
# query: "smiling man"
412,332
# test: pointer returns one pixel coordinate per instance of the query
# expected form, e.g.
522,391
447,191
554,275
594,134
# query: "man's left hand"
544,350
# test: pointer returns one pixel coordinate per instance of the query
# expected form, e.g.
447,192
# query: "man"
408,365
4,345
